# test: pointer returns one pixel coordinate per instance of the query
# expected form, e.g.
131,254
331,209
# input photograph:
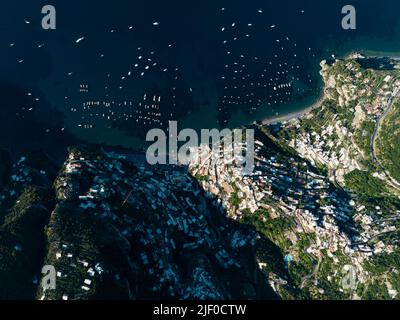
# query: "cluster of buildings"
325,148
289,188
353,90
72,270
388,89
161,211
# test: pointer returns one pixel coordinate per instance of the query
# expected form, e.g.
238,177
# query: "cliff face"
114,228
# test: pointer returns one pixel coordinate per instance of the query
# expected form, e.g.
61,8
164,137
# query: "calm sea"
303,31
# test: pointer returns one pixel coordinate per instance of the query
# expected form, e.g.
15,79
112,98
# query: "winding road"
378,125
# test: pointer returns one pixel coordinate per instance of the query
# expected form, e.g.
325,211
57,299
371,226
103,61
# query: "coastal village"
157,212
360,96
303,207
180,232
85,216
340,227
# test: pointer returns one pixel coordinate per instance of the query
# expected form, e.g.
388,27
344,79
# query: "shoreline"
294,115
304,112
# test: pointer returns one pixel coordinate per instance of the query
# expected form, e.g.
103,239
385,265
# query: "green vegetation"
279,143
388,143
201,178
273,229
22,244
363,183
363,137
376,290
234,199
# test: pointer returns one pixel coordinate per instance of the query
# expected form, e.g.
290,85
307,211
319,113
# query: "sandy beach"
294,115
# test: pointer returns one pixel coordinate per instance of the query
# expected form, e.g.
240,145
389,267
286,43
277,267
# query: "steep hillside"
114,228
323,191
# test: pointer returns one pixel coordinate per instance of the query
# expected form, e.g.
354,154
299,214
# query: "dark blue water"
205,64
